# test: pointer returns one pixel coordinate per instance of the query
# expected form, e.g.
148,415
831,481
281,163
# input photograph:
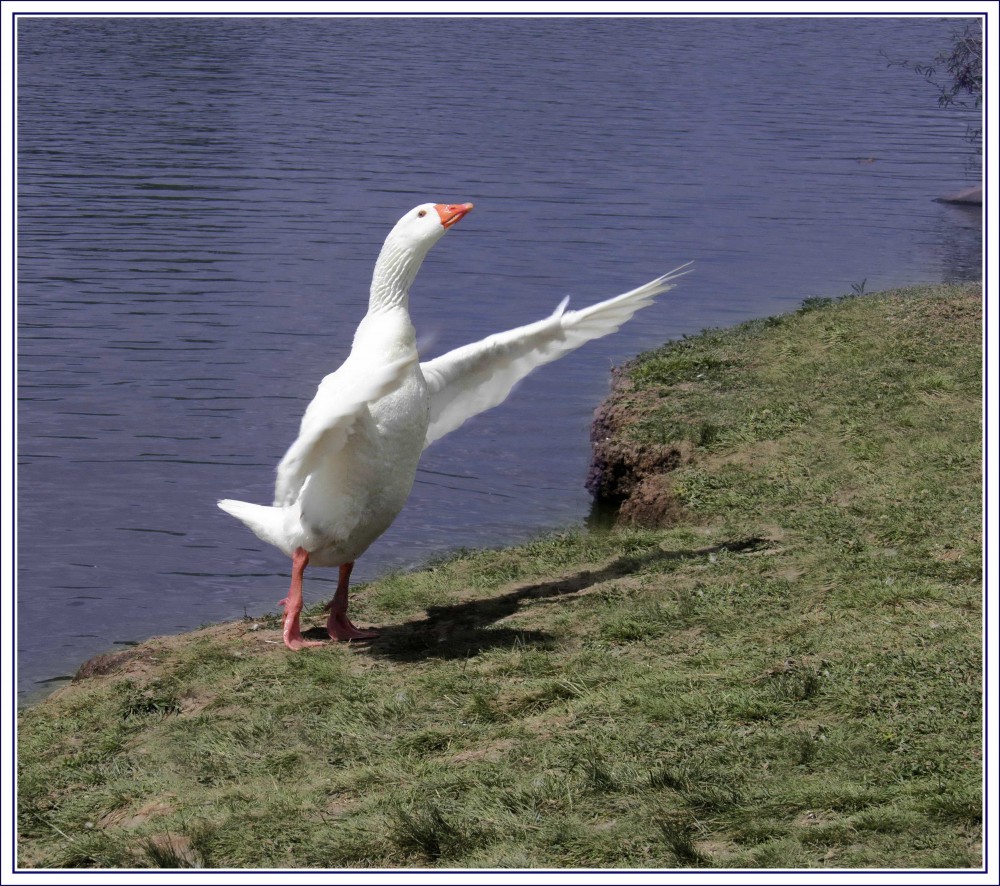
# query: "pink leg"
338,625
293,604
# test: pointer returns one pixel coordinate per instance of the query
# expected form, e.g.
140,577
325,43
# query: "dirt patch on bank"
630,481
146,661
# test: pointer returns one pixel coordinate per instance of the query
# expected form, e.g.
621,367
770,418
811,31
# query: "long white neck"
395,271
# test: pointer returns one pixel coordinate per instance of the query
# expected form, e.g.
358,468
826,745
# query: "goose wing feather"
479,376
329,419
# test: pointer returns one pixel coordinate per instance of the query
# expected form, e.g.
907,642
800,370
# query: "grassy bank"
789,675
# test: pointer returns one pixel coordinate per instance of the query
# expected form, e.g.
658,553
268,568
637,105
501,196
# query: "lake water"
201,201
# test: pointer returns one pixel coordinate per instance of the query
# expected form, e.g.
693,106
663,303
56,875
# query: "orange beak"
452,212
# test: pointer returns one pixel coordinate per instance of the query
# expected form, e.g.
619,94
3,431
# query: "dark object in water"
967,197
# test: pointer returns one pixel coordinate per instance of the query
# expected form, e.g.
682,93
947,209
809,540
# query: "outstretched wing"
479,376
342,397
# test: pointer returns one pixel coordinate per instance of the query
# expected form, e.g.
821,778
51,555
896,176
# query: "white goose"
347,476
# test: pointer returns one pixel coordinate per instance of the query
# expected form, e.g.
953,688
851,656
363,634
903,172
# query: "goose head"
425,224
406,247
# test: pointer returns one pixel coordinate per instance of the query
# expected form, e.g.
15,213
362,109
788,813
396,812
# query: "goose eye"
422,213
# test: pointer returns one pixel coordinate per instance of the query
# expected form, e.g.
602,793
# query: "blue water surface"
201,201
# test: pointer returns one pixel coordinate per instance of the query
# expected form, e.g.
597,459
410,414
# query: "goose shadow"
462,630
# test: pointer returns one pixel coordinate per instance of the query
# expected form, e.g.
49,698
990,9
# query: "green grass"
788,677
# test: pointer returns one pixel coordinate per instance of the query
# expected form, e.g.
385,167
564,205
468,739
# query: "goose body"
350,470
